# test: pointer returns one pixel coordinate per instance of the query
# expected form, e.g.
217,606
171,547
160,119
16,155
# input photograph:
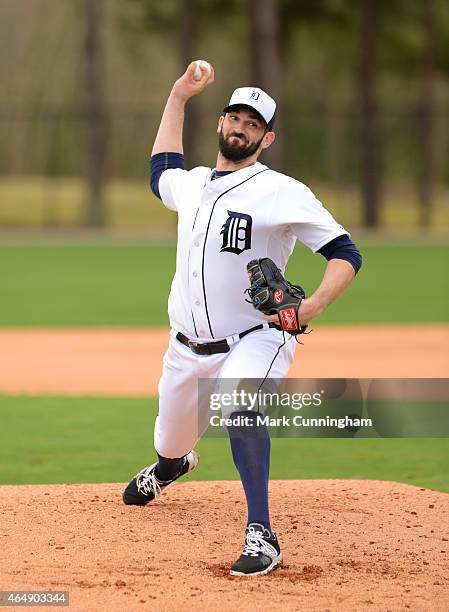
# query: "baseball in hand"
201,67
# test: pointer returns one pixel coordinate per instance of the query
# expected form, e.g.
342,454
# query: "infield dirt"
348,546
129,361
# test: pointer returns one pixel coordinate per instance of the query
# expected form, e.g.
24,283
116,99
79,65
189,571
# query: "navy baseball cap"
257,99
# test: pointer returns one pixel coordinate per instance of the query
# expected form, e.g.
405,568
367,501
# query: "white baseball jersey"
222,225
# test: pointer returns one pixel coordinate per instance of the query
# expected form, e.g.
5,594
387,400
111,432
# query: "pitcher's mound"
348,545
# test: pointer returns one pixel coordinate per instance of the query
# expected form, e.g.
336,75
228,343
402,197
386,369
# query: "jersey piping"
205,241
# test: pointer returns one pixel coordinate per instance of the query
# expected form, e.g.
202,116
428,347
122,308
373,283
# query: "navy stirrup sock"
167,469
250,447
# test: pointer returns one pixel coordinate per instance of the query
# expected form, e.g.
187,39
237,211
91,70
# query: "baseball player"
228,216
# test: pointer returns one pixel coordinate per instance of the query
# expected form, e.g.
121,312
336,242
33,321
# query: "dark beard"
236,152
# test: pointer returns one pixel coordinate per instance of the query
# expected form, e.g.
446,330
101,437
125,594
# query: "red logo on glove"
278,295
288,319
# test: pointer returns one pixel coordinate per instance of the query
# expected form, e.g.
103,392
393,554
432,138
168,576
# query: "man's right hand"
169,135
186,87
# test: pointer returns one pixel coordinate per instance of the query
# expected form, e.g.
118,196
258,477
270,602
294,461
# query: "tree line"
362,42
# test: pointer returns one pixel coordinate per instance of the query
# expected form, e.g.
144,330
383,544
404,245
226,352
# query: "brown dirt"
348,546
128,361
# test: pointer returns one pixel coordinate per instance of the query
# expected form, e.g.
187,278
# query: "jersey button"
196,243
195,274
197,303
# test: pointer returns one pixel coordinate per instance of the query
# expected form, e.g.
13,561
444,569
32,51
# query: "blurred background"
362,85
363,91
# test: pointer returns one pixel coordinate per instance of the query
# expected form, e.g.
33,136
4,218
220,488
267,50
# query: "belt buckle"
193,345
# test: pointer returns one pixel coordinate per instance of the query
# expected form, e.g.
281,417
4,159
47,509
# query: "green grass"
85,285
71,440
129,285
398,283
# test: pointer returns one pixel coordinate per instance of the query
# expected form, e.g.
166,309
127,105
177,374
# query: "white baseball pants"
260,354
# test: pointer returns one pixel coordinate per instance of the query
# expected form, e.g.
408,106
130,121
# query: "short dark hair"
239,106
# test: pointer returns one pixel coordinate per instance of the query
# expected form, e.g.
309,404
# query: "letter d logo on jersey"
236,233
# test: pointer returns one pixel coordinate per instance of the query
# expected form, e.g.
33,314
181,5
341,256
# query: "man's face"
241,134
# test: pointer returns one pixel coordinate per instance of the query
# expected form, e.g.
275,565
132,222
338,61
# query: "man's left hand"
308,309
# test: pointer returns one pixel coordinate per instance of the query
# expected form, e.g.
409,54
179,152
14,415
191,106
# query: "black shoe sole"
274,565
135,502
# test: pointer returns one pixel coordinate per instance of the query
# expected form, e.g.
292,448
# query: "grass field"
128,285
70,440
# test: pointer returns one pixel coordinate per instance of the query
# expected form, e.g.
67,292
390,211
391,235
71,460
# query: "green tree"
265,63
95,114
186,20
416,52
426,113
369,114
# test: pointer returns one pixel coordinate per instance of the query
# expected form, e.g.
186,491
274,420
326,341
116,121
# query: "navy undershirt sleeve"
161,162
342,247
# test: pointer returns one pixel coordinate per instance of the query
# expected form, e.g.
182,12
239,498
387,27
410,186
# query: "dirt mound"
129,361
348,545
